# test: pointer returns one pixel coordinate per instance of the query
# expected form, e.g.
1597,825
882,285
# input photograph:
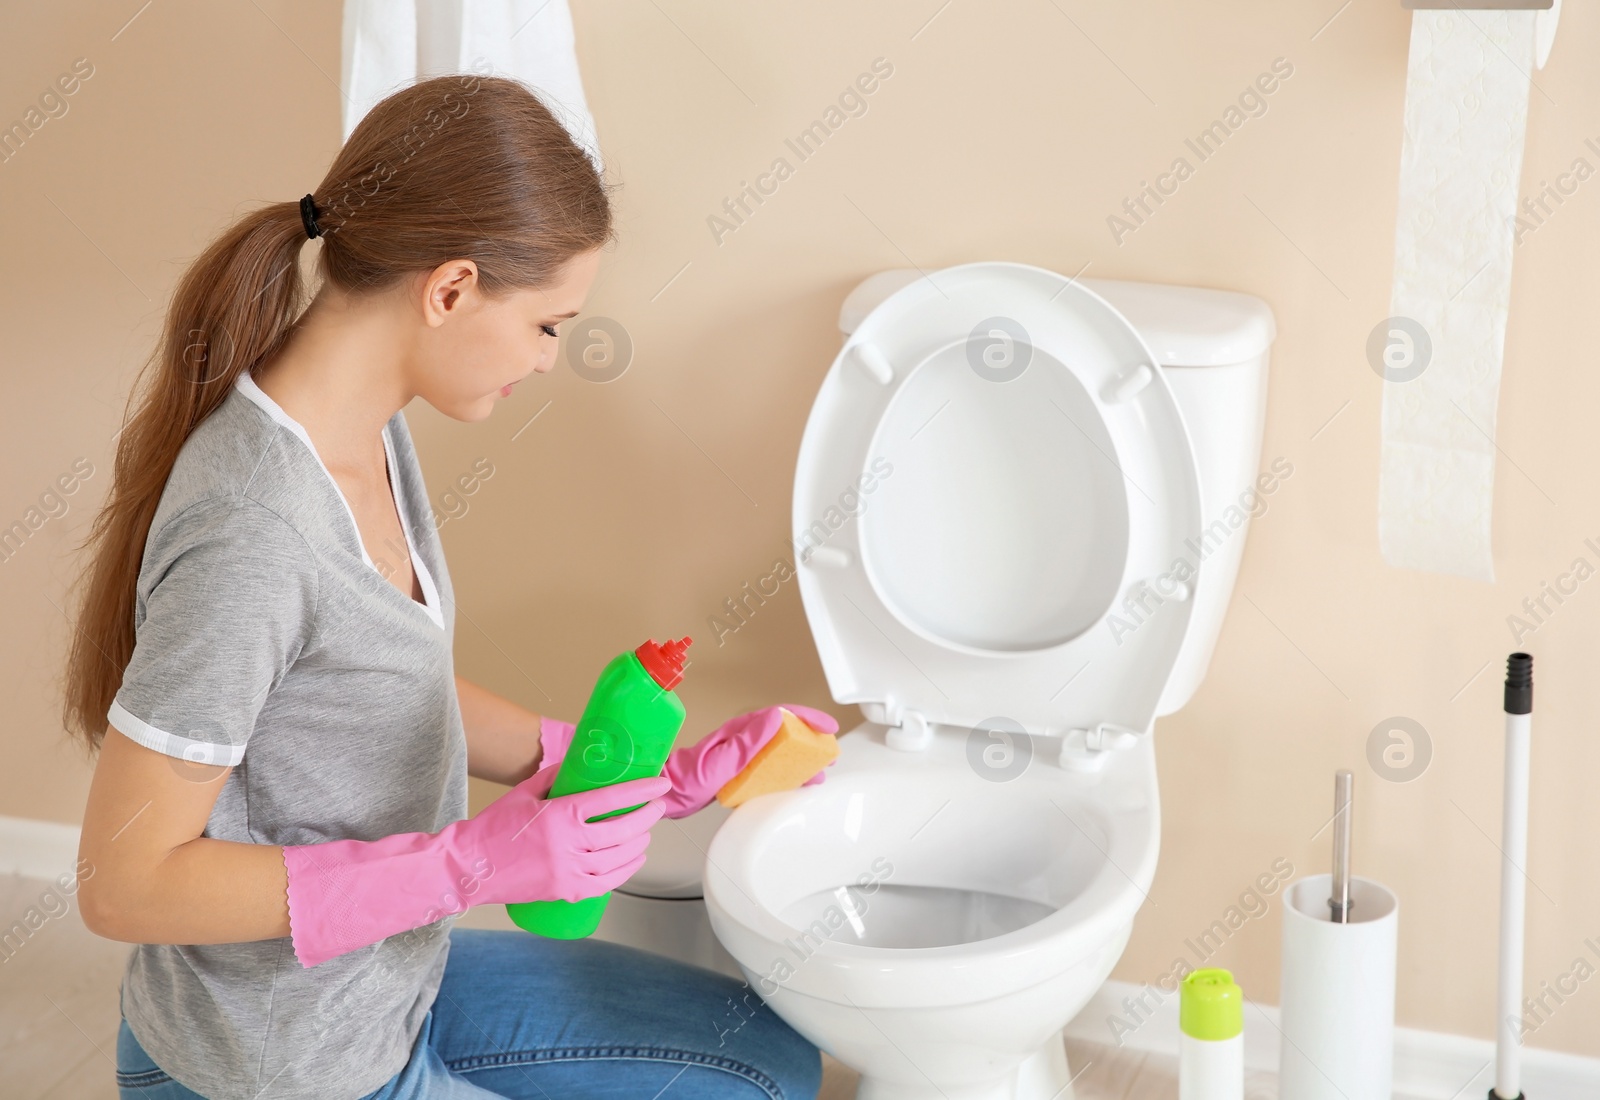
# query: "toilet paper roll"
1336,1014
1441,348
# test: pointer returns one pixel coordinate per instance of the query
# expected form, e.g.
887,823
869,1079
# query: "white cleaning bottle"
1211,1051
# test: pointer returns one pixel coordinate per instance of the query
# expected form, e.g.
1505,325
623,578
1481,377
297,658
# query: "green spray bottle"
625,732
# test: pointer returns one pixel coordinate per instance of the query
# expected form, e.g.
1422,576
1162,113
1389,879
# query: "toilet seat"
991,501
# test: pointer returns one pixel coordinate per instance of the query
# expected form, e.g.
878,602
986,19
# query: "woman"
263,661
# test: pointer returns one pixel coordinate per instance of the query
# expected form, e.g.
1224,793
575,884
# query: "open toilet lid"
991,501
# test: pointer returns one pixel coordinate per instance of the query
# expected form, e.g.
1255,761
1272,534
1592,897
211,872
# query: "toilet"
1020,505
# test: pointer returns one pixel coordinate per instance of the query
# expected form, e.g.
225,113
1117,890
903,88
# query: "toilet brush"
1513,886
1336,1001
1339,899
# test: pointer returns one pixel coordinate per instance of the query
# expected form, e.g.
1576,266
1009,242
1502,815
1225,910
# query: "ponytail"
453,167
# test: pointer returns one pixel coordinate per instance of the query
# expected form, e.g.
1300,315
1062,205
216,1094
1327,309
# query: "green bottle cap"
1210,1005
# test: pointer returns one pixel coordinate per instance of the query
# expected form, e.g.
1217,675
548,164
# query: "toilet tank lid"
1188,326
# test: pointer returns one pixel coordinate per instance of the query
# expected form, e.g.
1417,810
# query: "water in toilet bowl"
897,915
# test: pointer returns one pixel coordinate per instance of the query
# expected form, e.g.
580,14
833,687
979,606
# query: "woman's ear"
444,288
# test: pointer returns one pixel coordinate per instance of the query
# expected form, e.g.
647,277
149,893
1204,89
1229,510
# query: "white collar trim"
430,593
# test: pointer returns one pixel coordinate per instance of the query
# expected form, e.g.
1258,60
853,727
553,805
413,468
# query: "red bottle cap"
664,662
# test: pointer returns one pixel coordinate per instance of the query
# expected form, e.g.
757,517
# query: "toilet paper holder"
1546,15
1480,5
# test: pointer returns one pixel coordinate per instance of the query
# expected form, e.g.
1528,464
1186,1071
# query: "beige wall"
1007,131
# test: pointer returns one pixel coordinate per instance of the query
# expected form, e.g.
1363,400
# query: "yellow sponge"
795,753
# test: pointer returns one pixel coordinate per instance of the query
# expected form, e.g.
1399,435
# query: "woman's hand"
523,846
699,771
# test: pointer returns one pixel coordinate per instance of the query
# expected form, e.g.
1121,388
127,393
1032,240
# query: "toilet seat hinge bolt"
911,733
1088,750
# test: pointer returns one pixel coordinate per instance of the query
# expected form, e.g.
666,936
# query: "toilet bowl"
1020,506
930,926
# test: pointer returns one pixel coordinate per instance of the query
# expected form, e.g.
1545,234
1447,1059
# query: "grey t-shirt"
268,639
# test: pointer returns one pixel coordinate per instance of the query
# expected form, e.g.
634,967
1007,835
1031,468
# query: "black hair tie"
308,217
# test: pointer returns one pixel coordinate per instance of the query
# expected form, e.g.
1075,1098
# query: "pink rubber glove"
698,771
555,737
346,894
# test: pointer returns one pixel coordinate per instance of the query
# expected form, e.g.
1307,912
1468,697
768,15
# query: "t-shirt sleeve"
227,598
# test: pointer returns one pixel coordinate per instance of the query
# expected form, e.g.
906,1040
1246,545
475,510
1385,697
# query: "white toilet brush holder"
1336,1010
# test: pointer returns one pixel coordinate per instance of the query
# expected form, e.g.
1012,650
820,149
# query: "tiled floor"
58,1017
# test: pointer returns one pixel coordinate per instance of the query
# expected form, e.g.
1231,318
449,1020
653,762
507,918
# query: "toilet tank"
1213,347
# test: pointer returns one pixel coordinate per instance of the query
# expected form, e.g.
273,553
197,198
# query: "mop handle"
1513,883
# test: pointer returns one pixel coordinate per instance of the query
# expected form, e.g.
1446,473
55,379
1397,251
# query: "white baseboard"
37,849
1428,1065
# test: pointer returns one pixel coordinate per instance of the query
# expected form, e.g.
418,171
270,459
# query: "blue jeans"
521,1016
